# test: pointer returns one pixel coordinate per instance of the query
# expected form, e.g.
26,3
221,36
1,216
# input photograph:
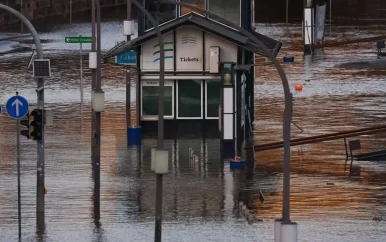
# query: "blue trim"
166,57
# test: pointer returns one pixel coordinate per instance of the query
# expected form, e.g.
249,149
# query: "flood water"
200,198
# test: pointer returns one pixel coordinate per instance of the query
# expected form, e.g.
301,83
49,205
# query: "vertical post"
330,16
40,102
81,85
160,145
137,98
18,173
98,88
286,11
287,163
70,12
308,27
21,22
128,77
93,81
128,97
40,207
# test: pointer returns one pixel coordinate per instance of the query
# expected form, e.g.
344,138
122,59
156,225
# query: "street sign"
126,58
78,40
17,107
0,109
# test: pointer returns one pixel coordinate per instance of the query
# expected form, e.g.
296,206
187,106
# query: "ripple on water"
200,198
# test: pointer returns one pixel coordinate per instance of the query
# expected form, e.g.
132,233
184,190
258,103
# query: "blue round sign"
17,107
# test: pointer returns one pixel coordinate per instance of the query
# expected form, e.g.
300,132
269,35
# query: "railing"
320,138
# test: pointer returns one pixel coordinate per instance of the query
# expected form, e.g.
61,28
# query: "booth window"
228,9
195,3
212,99
189,99
161,12
150,100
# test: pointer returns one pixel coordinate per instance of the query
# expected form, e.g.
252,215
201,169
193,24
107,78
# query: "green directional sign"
78,40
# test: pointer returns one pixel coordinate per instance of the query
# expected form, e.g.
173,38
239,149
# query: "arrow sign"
78,40
17,104
17,107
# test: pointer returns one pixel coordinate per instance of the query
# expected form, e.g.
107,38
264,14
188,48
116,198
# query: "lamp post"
161,155
97,103
288,228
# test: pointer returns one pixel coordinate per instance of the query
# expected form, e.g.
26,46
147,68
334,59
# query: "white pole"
81,87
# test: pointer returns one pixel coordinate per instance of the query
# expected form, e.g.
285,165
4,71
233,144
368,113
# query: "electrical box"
214,59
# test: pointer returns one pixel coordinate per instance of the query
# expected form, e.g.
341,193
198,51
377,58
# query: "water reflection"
201,198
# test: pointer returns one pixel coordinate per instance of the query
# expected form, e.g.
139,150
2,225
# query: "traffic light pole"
40,101
40,165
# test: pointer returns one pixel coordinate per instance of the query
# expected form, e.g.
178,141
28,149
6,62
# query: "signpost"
17,108
80,40
126,58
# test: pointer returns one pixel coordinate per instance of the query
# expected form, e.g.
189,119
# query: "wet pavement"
200,198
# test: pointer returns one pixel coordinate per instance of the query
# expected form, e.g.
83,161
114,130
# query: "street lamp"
287,227
97,102
160,154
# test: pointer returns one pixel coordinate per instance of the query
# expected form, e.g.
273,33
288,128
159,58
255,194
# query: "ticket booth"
197,50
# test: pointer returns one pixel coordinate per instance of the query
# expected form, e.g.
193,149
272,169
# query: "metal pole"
128,76
70,12
288,103
40,99
286,11
21,22
81,86
158,210
98,87
330,15
161,97
18,172
93,81
128,97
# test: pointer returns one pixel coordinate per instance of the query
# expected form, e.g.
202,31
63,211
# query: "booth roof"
204,24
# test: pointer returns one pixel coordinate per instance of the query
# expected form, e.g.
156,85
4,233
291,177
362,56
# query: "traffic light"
36,124
26,122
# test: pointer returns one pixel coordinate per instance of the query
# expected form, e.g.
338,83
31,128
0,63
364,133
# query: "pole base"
134,135
289,232
307,49
277,230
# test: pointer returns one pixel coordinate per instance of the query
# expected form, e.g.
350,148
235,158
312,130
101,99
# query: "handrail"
320,138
